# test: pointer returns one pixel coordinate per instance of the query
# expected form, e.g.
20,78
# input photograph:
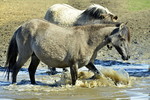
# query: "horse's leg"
91,67
52,70
32,68
74,73
20,62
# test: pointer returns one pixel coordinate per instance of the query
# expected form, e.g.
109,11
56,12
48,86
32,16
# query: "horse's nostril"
115,17
125,58
128,57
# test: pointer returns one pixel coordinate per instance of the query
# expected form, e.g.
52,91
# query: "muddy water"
119,81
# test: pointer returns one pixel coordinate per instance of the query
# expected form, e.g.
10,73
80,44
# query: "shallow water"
121,80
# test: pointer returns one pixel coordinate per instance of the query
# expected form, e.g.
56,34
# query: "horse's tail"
12,53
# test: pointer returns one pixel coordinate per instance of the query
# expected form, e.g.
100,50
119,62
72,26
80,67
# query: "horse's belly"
57,62
51,56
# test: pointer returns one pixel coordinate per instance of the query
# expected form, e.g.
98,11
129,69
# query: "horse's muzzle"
125,58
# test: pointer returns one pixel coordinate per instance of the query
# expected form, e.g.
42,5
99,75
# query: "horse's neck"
97,37
90,39
97,40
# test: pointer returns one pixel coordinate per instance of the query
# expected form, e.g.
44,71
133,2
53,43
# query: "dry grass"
22,10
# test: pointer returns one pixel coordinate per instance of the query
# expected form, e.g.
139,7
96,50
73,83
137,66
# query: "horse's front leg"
91,67
74,73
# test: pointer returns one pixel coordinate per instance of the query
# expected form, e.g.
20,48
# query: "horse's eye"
102,17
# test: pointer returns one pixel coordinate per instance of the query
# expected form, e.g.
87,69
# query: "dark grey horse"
61,47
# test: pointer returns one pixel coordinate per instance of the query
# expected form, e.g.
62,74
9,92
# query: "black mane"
94,12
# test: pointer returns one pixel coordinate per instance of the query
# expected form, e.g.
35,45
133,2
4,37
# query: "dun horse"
67,15
61,47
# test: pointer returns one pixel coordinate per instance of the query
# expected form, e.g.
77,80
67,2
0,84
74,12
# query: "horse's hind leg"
20,62
32,68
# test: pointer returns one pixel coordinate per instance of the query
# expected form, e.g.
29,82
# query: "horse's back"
48,41
62,14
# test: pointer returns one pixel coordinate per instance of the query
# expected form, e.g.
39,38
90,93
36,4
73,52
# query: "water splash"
111,78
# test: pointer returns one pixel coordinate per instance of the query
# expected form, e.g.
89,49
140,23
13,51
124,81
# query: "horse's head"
99,12
120,38
109,17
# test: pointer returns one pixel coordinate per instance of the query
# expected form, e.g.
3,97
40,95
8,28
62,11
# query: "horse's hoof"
34,83
14,82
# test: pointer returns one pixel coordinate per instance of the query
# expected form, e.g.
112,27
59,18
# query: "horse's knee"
91,67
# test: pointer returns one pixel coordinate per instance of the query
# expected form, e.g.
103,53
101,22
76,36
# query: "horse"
67,15
98,21
62,47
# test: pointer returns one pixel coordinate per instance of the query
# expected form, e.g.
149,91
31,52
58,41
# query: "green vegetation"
136,5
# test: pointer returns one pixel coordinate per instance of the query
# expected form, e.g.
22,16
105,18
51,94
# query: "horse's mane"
126,31
95,11
96,25
117,24
104,23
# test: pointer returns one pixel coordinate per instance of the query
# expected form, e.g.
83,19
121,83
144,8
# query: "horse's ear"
121,26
